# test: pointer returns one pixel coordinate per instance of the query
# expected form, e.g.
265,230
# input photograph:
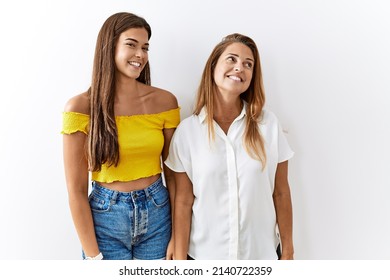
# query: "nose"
140,53
237,68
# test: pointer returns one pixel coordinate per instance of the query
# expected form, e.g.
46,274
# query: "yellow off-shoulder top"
140,139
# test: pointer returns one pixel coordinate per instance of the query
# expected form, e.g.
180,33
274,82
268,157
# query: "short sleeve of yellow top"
140,139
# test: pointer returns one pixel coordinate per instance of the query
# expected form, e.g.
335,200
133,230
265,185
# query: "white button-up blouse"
233,214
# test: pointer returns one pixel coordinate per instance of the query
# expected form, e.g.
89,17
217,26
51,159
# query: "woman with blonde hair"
230,160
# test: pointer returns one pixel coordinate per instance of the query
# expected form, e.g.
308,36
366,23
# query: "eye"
231,59
248,65
145,49
131,45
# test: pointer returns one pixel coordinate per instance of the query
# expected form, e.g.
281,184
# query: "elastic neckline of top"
136,115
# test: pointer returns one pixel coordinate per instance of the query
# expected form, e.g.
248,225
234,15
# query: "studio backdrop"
326,67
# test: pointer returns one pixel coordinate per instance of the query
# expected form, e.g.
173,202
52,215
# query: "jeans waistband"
112,194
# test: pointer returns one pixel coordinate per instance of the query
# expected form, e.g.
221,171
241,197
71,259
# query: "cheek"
120,57
219,73
117,59
218,77
146,58
249,76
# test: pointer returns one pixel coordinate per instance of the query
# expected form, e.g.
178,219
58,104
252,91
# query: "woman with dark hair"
119,131
230,160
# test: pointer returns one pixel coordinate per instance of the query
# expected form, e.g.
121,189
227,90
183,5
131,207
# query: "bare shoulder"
163,100
78,103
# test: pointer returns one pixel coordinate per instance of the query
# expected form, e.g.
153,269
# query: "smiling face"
131,53
234,69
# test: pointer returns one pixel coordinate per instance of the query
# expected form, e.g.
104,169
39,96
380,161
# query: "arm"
167,101
170,182
76,173
183,215
283,207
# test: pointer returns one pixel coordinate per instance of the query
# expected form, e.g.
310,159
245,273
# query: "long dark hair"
254,95
103,147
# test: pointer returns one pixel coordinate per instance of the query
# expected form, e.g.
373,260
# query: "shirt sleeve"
178,157
73,122
284,150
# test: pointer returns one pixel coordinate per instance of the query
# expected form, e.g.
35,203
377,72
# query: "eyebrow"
236,55
134,40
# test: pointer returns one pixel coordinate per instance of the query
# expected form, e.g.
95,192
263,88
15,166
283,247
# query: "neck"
124,85
124,88
227,110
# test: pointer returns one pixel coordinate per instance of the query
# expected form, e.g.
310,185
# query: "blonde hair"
254,96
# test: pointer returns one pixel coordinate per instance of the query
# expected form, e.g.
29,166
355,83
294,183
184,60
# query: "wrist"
95,258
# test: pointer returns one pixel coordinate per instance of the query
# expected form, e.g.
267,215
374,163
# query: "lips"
135,64
234,78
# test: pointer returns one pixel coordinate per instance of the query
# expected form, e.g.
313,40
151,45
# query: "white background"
326,68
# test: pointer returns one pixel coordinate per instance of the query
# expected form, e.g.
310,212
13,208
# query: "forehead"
239,49
139,34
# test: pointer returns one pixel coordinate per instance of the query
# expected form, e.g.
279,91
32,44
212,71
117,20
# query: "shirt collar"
203,113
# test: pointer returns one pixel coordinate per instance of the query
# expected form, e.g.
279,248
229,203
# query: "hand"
170,249
287,256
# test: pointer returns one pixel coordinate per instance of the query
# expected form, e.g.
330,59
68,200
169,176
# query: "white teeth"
136,64
235,78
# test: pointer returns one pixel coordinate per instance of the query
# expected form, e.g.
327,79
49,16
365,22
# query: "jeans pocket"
161,197
99,203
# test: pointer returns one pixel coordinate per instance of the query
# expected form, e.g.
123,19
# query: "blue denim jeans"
132,225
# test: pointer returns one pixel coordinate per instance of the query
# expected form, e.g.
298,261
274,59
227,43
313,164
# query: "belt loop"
146,192
114,195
